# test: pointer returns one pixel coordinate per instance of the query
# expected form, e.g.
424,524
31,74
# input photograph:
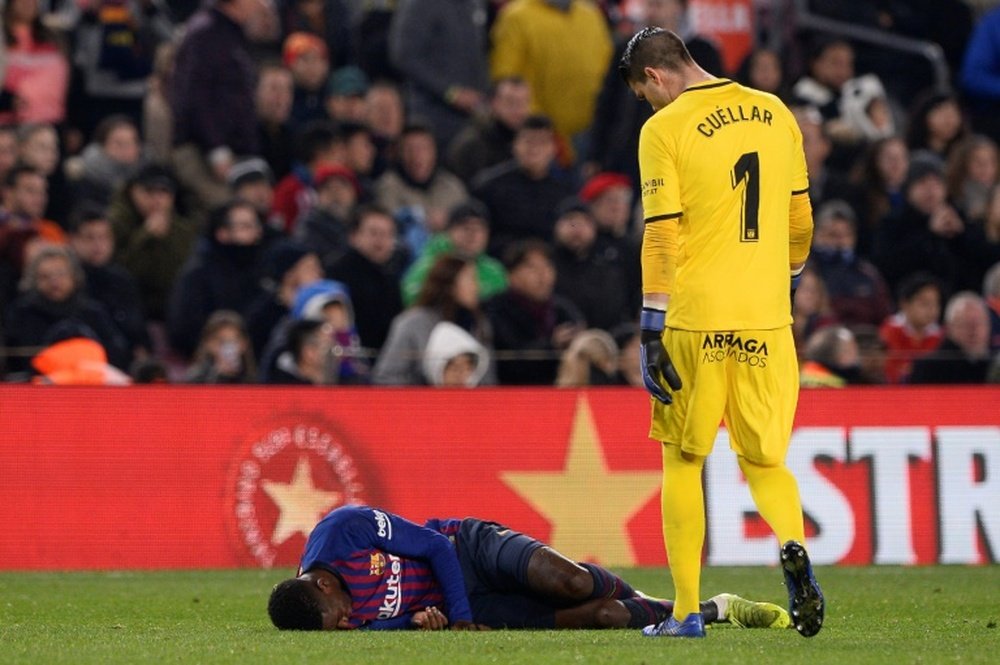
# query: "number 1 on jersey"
747,168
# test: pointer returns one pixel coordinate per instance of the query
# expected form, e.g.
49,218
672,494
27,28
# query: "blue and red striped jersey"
390,566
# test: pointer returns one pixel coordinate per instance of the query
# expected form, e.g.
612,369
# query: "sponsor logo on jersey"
383,524
717,347
291,472
650,186
393,589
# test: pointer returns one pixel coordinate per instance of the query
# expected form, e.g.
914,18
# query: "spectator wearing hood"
454,358
450,293
327,354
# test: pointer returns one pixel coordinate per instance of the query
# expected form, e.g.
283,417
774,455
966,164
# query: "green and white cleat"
751,614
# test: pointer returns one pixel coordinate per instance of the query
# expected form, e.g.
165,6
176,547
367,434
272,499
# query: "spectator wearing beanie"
324,228
609,196
251,180
306,56
596,287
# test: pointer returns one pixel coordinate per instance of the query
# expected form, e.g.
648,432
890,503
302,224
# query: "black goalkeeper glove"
658,371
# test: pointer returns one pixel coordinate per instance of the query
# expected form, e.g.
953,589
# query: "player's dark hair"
293,606
652,47
914,283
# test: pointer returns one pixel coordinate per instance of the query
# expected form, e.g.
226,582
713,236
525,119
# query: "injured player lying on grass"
367,568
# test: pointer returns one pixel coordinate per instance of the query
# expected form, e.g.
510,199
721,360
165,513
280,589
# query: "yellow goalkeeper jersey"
719,168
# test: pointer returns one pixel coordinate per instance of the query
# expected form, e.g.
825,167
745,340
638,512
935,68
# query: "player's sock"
710,611
776,494
646,611
683,510
607,584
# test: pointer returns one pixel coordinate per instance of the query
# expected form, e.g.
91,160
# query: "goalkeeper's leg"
776,493
683,508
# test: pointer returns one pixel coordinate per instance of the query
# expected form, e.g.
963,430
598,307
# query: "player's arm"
661,213
800,230
393,534
800,223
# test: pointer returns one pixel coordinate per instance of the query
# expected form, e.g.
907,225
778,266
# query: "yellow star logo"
300,503
588,504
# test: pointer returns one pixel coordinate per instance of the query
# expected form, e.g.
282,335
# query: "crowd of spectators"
434,192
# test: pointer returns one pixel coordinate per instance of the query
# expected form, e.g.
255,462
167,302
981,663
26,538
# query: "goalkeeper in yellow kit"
727,230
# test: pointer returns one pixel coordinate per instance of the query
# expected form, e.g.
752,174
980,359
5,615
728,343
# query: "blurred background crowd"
443,192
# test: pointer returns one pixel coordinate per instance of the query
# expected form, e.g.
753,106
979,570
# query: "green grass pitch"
874,615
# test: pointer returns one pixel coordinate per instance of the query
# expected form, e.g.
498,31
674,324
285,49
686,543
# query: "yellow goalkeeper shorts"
749,379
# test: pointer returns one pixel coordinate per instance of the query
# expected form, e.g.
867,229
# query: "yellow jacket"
562,55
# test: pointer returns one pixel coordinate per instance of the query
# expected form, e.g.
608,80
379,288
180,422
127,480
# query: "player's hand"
468,625
658,371
430,619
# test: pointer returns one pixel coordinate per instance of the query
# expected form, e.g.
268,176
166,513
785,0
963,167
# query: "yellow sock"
683,507
776,494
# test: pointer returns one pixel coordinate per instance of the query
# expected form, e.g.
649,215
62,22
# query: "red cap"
325,172
298,43
601,183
